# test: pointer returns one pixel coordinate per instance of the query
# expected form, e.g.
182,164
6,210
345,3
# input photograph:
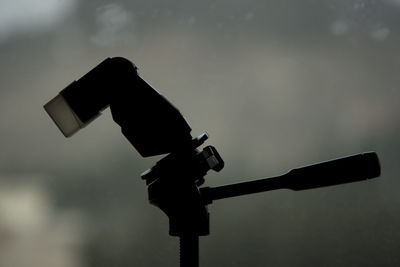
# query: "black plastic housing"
147,119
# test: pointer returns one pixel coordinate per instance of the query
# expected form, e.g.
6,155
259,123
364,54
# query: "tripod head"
173,187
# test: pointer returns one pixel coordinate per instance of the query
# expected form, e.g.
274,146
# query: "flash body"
147,119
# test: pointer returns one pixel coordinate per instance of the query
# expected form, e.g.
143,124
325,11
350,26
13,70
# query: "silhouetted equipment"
334,172
154,126
147,119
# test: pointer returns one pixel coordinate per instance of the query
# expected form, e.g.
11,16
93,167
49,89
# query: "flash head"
147,119
63,116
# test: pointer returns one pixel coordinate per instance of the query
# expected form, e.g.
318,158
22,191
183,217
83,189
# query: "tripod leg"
189,250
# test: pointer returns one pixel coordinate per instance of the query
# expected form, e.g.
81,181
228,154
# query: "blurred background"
277,84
